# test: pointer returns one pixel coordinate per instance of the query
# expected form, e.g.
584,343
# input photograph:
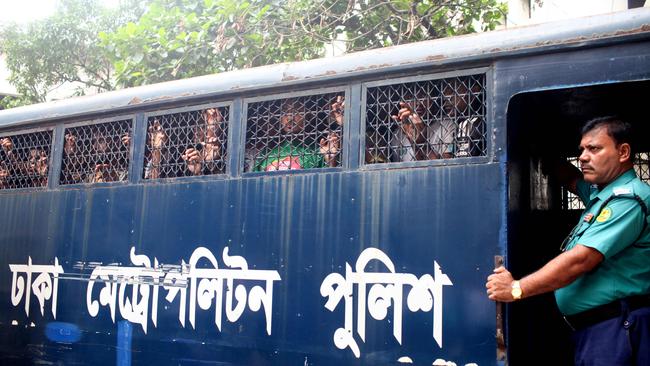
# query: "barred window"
425,120
572,201
295,133
641,166
25,160
187,143
96,153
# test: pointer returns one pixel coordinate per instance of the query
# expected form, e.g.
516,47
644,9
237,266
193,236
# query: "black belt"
605,312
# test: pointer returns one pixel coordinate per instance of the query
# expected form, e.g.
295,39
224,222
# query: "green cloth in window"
288,156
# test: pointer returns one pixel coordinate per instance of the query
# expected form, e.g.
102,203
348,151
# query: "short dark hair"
620,131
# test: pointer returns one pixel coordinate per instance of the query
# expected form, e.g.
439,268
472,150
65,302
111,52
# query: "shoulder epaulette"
623,191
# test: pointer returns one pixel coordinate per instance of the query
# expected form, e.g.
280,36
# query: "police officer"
602,278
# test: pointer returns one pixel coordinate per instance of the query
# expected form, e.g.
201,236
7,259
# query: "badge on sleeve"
605,214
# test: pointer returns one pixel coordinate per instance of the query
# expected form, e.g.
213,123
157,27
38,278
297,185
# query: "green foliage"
63,48
182,38
368,24
9,101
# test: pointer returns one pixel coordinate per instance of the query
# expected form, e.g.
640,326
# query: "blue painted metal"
303,226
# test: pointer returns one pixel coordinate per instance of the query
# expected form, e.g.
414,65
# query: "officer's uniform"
609,307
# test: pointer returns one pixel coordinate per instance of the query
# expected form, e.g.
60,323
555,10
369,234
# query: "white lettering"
206,288
44,287
116,279
386,289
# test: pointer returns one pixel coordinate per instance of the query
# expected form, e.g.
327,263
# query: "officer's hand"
499,285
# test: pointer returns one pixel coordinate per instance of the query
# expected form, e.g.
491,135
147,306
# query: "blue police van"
338,211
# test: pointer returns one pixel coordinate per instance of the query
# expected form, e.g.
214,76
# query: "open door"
541,213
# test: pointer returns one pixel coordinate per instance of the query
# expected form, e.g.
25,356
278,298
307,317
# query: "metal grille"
295,133
187,143
572,201
25,160
641,166
96,153
425,120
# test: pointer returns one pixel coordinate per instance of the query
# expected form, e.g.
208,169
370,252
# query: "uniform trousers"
621,341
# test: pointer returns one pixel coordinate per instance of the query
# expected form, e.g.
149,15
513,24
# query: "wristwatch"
516,290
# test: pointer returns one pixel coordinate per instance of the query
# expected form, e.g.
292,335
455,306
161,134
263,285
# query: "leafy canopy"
63,48
183,38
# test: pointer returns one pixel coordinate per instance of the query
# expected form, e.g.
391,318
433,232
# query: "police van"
337,211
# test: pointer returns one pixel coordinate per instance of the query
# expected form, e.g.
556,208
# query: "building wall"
524,12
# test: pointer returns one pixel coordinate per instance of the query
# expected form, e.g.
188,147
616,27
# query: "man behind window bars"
22,172
157,139
295,149
204,156
100,163
455,134
8,160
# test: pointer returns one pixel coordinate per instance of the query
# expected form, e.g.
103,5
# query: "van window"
188,143
96,153
24,160
426,120
303,132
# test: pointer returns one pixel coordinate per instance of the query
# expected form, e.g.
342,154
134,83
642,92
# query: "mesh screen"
295,133
187,143
572,201
25,160
96,153
642,166
425,120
